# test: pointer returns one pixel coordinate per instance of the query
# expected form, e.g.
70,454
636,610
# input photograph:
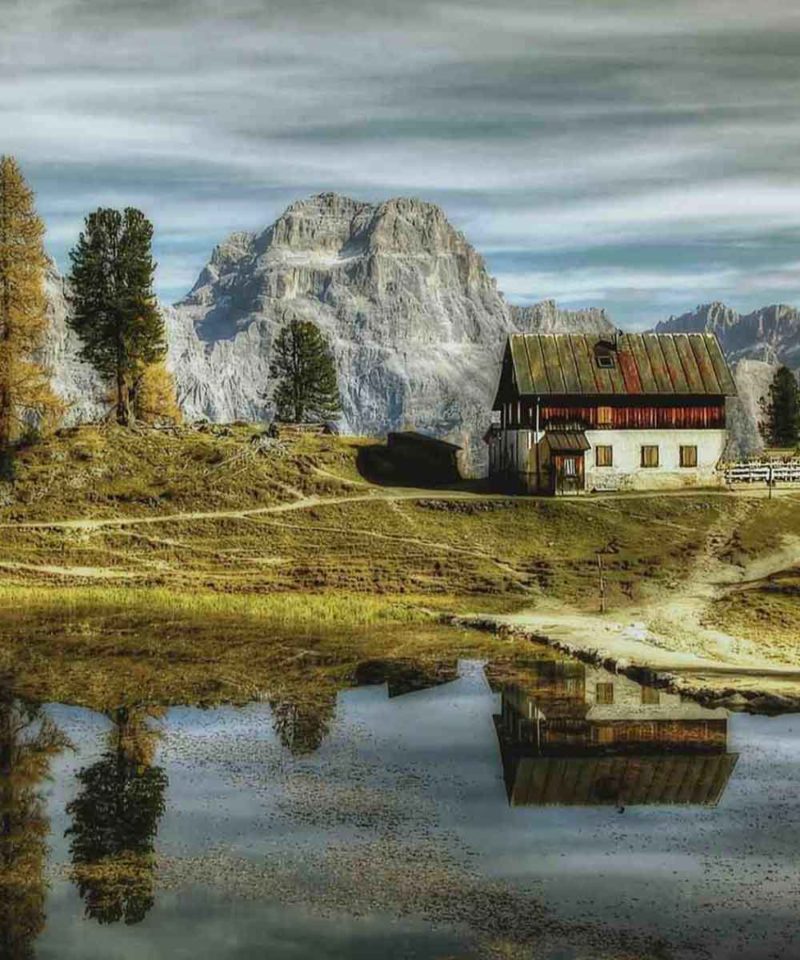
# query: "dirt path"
303,503
80,573
391,494
670,634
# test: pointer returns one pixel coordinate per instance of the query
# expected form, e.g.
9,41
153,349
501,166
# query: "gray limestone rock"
547,317
415,322
769,334
75,381
756,343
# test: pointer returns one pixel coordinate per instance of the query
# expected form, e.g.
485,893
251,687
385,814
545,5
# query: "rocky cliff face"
546,317
753,378
415,322
75,381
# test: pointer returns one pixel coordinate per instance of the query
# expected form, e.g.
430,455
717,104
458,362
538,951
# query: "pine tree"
24,386
781,426
115,819
307,389
115,312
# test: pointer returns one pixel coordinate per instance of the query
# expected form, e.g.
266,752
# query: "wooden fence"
768,472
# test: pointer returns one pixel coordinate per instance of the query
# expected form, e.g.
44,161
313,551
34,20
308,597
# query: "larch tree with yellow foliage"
154,396
24,386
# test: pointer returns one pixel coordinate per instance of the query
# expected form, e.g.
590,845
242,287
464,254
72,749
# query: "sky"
639,155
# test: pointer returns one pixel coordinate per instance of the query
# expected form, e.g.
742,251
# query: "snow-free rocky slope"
415,322
769,334
756,343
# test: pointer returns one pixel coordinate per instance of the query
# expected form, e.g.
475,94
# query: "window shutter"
649,456
604,456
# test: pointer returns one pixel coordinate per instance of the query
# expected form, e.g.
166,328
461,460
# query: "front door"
568,472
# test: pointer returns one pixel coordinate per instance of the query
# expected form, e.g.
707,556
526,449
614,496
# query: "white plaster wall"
627,472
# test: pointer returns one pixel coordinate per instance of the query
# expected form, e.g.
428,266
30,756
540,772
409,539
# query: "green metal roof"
644,364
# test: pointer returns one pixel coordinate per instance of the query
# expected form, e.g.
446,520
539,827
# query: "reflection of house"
572,734
577,412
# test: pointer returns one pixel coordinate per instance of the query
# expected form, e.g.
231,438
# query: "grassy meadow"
188,561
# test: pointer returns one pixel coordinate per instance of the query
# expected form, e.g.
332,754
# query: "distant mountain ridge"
769,334
756,343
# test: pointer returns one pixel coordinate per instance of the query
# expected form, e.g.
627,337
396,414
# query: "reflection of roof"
576,781
661,364
573,441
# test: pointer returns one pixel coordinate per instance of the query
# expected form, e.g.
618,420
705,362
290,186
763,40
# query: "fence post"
601,582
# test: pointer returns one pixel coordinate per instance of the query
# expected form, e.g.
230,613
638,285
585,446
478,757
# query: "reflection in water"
115,819
28,742
403,676
571,734
368,826
302,724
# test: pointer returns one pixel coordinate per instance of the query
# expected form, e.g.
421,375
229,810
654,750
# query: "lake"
548,809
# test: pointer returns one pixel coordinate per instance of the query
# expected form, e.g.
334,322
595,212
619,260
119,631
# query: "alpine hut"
581,412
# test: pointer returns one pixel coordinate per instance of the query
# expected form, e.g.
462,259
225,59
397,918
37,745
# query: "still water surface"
560,812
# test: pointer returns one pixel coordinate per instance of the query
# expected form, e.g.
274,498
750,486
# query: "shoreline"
741,687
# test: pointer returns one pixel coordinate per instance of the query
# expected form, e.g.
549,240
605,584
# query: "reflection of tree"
302,725
114,822
28,742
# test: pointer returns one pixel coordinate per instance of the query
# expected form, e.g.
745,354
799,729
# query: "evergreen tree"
115,312
115,820
24,386
781,426
306,390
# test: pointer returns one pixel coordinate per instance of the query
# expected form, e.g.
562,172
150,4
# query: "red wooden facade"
628,413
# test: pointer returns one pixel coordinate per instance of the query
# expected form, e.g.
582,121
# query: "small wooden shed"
425,459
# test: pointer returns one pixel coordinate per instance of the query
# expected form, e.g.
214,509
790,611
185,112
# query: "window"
604,693
688,456
605,361
649,456
651,696
604,456
604,417
570,468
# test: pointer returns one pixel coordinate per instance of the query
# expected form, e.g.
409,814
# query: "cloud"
554,128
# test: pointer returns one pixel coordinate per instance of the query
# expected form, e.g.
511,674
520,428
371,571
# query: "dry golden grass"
379,557
85,647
